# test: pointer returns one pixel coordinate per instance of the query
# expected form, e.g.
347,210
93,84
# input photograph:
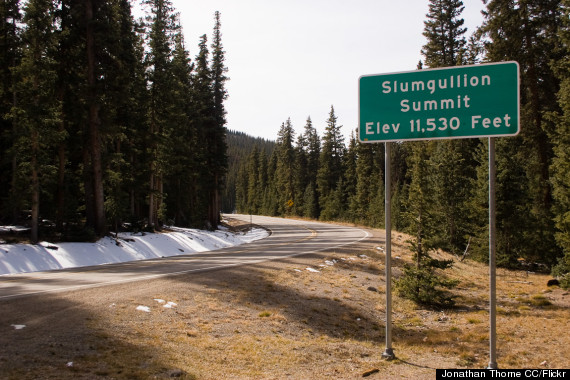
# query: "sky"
297,58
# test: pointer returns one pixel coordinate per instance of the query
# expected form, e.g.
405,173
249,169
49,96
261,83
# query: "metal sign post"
388,352
492,269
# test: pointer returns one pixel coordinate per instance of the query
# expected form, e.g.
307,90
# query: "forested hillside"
240,147
440,188
106,120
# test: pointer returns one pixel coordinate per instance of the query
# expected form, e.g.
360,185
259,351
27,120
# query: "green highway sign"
444,103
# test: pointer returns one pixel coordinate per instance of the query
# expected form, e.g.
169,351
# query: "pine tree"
513,203
96,205
216,143
97,164
330,163
10,18
369,187
452,182
271,204
376,209
420,199
560,167
203,104
285,170
444,32
313,152
37,110
163,27
71,60
122,123
400,185
420,283
351,179
138,141
301,174
183,141
438,188
525,31
452,158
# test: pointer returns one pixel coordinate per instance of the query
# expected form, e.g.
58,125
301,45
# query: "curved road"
288,238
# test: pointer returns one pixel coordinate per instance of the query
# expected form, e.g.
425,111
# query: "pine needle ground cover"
319,316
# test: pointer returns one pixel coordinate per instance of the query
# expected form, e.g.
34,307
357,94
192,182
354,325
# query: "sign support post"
388,352
492,256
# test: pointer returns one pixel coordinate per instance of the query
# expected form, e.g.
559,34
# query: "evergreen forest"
105,120
440,187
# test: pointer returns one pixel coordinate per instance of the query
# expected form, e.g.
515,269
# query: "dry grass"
277,320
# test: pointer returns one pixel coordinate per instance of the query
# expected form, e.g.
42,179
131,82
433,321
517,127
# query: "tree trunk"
151,208
15,210
60,196
160,199
13,187
213,205
34,237
420,238
132,193
94,124
88,185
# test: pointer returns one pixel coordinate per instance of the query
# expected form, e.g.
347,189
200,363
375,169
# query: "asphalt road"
288,238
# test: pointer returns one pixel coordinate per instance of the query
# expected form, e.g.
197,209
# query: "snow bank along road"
287,238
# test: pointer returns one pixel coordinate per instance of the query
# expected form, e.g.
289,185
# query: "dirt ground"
278,320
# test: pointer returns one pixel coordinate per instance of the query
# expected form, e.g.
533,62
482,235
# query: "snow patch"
24,258
146,309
